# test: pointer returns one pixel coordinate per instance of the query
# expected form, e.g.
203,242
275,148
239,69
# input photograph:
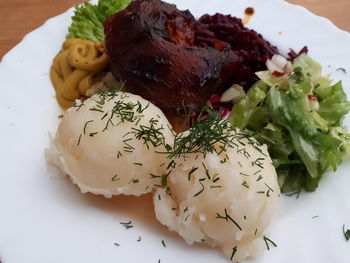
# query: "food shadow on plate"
138,209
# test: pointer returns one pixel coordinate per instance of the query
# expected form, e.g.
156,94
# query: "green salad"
88,20
299,116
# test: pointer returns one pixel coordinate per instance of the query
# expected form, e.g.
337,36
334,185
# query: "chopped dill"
200,191
245,184
206,171
163,243
92,134
269,241
269,187
79,139
86,123
191,172
139,239
227,217
155,176
216,179
172,164
116,244
211,135
150,134
258,163
342,70
135,181
234,251
259,178
346,233
165,179
127,225
115,178
296,193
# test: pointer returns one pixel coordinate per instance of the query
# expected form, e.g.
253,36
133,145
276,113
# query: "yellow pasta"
73,69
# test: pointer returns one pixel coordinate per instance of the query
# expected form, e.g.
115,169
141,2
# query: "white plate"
44,218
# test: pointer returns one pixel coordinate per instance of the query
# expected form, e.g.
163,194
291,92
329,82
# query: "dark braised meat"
151,47
166,56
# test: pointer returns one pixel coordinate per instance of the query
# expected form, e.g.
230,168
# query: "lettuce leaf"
88,20
303,142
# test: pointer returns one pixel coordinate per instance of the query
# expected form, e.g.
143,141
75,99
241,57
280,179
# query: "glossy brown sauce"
248,12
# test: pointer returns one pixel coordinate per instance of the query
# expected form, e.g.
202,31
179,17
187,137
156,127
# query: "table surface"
19,17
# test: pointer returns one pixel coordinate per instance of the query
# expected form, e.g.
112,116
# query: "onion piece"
233,94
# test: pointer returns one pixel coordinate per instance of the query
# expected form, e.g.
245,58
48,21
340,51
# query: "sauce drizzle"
249,12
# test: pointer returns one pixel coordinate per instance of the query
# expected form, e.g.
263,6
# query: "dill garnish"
245,184
115,178
78,143
165,178
139,239
155,176
346,233
191,172
211,135
200,191
127,225
150,134
227,217
267,241
258,163
163,243
206,171
134,180
259,178
215,186
296,193
234,251
116,244
86,123
172,164
269,187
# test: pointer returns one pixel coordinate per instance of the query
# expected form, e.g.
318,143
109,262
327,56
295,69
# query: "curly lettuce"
304,140
88,20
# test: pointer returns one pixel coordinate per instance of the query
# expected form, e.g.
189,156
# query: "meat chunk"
151,46
167,57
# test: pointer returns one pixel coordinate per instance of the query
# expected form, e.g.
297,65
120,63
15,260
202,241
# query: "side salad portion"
298,113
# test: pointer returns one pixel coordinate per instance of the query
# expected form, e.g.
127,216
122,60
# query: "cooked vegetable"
88,19
298,115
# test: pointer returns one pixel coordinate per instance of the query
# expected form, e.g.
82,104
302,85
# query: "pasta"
74,68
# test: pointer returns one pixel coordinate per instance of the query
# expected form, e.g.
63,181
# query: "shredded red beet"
253,49
292,54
